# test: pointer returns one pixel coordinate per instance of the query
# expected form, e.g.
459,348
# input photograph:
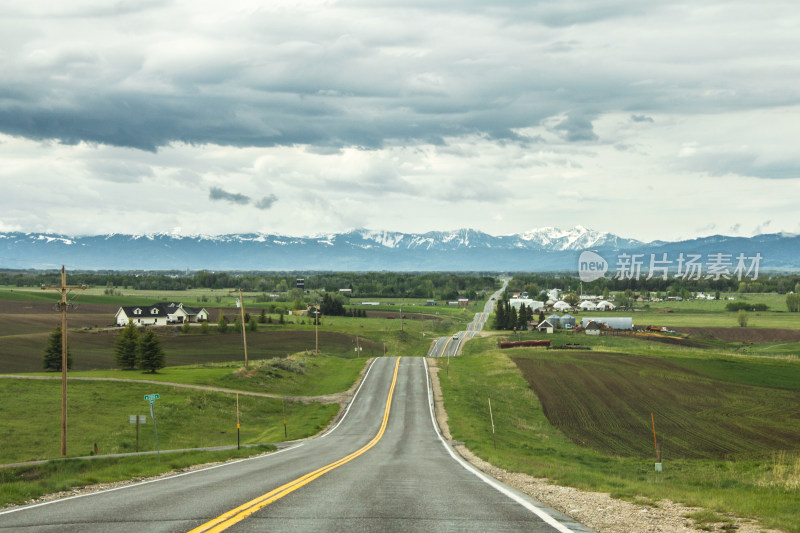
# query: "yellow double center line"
238,514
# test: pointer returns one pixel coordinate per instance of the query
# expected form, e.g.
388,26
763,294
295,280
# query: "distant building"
463,302
160,314
593,328
605,305
562,306
346,291
300,283
617,322
555,320
545,327
517,303
567,321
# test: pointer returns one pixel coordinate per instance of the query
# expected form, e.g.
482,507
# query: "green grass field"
608,446
98,413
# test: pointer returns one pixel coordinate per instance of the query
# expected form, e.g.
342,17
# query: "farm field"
755,479
25,326
611,397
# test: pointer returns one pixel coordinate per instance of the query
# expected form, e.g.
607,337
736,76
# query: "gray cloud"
217,194
642,118
742,163
576,127
266,202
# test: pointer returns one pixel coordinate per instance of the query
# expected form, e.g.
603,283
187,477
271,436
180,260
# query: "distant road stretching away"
449,346
384,467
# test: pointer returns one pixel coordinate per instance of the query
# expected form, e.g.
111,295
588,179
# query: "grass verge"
19,485
98,413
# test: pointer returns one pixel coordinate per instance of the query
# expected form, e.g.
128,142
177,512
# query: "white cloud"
500,117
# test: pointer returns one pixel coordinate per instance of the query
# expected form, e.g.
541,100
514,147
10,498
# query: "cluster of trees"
143,351
434,285
744,306
793,302
332,305
507,318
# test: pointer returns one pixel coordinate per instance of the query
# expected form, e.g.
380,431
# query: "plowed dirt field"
603,401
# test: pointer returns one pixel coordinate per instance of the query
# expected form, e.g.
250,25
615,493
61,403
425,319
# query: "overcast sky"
651,120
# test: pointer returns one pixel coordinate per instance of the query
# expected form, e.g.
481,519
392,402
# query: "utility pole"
63,305
244,335
316,330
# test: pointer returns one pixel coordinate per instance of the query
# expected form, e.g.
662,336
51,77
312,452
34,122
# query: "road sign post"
152,399
137,419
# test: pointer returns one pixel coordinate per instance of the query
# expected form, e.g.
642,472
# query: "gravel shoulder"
596,510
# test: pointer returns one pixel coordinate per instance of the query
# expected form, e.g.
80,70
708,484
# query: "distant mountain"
544,249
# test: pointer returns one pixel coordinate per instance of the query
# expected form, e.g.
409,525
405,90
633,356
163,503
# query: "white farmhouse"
160,314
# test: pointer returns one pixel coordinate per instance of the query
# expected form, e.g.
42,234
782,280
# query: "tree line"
432,285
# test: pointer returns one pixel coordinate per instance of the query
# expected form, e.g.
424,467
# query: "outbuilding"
619,323
545,327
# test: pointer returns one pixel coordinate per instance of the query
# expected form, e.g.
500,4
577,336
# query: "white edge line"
33,506
546,517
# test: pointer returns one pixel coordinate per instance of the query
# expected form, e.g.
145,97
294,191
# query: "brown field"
675,341
603,401
744,334
25,326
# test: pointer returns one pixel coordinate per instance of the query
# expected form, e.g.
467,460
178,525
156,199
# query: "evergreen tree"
252,325
222,325
511,318
262,318
52,353
151,354
524,316
500,315
126,347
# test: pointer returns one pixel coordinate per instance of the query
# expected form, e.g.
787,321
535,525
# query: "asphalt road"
450,346
398,475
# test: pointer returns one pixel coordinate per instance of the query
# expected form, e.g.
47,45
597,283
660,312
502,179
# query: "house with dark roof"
160,314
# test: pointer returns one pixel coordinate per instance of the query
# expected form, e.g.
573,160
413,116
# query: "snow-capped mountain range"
543,249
